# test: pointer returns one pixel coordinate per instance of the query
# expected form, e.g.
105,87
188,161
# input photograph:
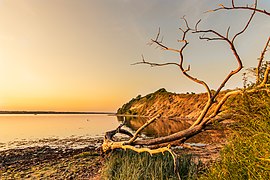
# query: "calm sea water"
30,127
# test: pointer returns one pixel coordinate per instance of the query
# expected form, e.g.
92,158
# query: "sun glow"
76,55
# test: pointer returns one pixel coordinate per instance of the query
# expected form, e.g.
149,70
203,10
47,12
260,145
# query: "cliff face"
167,104
178,112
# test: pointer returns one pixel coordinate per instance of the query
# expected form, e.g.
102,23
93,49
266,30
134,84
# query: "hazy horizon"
66,55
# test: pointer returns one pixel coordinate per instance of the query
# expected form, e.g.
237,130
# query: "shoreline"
74,158
53,162
55,112
72,142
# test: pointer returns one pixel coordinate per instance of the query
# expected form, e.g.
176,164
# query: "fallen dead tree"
143,145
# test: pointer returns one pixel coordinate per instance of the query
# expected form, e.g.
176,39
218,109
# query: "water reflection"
161,127
28,127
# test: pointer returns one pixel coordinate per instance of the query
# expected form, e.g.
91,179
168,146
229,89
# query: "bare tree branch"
251,17
232,47
265,79
227,33
152,64
180,51
142,128
233,3
210,31
233,7
258,71
181,56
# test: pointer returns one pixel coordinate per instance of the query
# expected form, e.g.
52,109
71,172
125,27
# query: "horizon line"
55,112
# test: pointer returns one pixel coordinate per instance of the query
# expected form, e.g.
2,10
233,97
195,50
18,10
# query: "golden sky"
75,55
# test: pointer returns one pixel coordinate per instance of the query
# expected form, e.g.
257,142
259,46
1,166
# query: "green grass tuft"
127,165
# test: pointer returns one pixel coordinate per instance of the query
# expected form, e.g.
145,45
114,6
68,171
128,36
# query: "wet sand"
71,158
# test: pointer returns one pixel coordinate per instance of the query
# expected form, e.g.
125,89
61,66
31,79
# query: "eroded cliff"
167,104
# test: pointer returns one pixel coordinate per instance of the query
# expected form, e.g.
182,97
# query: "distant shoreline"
54,112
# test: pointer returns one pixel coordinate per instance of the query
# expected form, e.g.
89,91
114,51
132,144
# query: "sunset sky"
76,55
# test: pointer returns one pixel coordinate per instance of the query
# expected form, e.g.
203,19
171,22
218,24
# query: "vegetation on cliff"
167,104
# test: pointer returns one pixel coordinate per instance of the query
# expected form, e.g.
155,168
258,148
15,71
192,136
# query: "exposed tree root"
109,145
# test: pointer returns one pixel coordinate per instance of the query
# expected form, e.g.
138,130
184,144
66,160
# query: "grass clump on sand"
128,164
247,156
